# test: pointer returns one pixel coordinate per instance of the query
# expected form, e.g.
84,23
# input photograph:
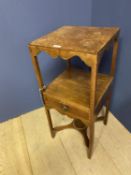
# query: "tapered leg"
35,62
91,139
50,122
112,72
92,116
107,109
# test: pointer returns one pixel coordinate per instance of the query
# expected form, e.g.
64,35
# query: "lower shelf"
69,93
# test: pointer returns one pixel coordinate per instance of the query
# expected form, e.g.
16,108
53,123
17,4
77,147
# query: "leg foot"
52,132
106,112
91,140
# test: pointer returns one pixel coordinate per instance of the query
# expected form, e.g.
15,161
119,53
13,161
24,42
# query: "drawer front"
65,109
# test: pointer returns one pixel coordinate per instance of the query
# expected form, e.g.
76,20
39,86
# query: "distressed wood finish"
68,41
84,39
72,88
75,93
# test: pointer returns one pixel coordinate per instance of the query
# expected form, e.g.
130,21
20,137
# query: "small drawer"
65,109
58,105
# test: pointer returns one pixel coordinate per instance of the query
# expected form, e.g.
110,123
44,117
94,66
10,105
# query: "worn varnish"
72,88
75,93
76,38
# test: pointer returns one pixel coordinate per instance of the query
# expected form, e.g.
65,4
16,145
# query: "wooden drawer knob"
65,108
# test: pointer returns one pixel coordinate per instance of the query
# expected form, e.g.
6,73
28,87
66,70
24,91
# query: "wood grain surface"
78,38
75,93
72,88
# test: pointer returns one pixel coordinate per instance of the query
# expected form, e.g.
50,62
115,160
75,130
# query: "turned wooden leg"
91,139
50,122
